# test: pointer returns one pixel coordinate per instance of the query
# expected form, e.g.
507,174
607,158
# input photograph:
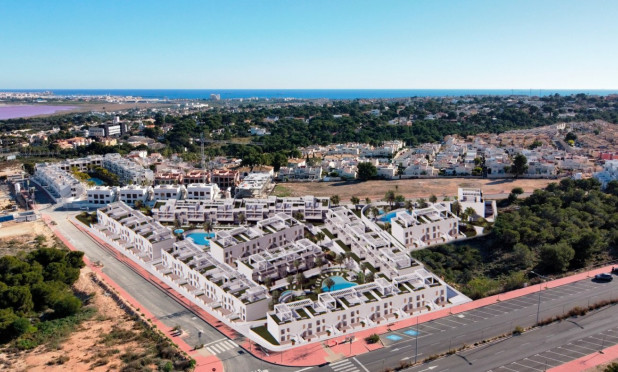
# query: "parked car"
604,277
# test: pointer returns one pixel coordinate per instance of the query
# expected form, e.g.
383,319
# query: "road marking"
573,351
339,362
214,342
510,369
360,364
445,325
588,342
584,347
562,355
304,369
547,357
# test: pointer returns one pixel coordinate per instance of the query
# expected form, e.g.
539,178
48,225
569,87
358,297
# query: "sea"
347,94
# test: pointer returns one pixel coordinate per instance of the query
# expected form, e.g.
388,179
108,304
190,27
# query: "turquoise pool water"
179,231
340,283
201,238
97,181
387,217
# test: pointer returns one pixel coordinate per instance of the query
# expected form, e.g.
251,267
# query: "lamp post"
538,309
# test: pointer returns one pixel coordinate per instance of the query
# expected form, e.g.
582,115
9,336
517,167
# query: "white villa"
473,198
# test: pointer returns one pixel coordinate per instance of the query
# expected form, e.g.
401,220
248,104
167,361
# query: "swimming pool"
201,238
97,181
387,217
340,283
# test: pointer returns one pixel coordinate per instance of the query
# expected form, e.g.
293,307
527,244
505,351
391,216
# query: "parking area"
565,353
475,319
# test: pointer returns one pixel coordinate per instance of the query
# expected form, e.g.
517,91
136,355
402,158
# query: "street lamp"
538,309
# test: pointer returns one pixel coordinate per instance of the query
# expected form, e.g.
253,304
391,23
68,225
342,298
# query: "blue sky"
408,44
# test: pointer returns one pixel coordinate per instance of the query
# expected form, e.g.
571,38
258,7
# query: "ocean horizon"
174,94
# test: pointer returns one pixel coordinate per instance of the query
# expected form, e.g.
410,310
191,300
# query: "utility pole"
538,309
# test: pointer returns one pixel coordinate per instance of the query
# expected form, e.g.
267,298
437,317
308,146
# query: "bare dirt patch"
99,344
21,236
410,188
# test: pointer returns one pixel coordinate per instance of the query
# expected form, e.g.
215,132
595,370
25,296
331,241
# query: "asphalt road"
438,336
164,307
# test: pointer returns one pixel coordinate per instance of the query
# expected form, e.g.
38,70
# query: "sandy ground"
83,348
411,188
19,236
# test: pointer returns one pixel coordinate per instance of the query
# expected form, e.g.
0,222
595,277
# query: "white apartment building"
267,234
280,262
167,192
127,171
473,198
253,185
228,210
424,227
134,232
300,173
132,193
203,191
211,284
59,184
102,195
349,310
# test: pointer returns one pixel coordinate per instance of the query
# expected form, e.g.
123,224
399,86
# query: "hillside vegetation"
564,227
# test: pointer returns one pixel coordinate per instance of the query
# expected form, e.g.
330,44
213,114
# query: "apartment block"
132,193
168,191
134,232
102,195
349,310
203,191
427,226
59,184
267,234
473,198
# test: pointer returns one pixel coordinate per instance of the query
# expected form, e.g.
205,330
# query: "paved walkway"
588,361
203,363
339,347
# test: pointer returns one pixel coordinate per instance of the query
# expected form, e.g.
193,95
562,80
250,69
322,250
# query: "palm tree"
319,262
296,264
360,277
355,200
390,197
268,281
374,211
409,205
399,200
207,226
290,280
456,208
329,283
300,279
334,199
422,203
433,199
370,277
241,218
467,213
367,200
320,236
339,259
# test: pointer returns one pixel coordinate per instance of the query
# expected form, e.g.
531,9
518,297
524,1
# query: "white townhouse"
133,232
280,262
253,185
168,191
203,191
131,193
212,285
421,228
102,195
267,234
59,184
127,170
352,309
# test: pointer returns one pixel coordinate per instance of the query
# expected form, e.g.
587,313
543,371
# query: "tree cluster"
36,287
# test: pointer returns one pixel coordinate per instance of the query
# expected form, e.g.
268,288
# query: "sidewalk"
203,363
337,348
588,361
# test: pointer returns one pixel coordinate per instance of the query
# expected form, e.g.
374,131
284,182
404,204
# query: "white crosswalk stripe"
221,347
344,366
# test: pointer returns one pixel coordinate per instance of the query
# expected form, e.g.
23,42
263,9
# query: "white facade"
102,195
424,227
254,185
132,193
167,192
353,309
127,171
203,191
473,198
60,184
270,233
609,173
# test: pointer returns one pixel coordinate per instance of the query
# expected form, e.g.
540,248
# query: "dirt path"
411,188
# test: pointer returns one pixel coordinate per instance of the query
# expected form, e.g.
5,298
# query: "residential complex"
421,228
